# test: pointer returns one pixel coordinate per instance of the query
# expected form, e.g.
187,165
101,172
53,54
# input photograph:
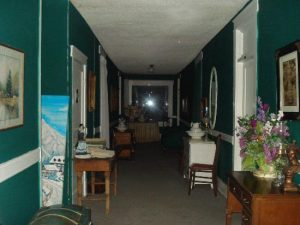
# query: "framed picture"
11,87
203,108
288,80
91,91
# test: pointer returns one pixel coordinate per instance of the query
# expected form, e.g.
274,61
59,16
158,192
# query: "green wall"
188,93
219,53
278,25
63,26
55,51
19,195
84,39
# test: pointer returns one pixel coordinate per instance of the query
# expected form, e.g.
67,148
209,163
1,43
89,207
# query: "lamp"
151,68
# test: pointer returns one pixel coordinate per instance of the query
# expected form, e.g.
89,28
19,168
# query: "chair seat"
197,167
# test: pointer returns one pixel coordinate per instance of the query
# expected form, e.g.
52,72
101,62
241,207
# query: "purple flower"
265,107
270,153
243,142
253,123
261,115
242,154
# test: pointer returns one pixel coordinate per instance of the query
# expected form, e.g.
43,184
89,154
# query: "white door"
79,63
245,70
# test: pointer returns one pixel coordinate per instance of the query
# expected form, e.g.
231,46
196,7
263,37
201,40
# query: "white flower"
273,117
268,127
280,115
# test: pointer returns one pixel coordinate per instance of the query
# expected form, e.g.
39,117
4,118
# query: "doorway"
79,70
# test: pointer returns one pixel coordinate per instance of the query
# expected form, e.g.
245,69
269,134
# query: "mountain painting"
54,130
11,87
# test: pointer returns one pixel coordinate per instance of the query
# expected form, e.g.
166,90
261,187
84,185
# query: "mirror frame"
213,115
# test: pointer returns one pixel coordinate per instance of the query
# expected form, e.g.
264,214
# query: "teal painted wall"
55,51
188,94
197,94
19,195
219,53
63,26
278,25
84,39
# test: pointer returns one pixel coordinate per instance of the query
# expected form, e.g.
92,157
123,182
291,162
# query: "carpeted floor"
152,192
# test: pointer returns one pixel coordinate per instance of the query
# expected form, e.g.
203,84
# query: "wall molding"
16,165
225,137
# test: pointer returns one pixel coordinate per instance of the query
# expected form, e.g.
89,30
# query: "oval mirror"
213,97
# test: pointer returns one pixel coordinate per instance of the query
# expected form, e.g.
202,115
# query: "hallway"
152,192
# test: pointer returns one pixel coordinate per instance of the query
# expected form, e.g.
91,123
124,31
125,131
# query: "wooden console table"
95,165
145,131
259,202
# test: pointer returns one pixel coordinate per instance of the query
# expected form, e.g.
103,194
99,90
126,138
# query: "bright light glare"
150,103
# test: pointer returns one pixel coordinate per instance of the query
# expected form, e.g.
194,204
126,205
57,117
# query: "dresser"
197,151
259,202
145,131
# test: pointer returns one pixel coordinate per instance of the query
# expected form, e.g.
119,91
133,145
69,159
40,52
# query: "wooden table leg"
107,191
79,187
115,178
93,182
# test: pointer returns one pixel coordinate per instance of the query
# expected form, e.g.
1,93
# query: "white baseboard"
16,165
222,187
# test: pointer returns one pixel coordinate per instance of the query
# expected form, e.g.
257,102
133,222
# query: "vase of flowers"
261,137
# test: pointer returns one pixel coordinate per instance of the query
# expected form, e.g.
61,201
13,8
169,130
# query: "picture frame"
203,108
11,87
287,60
91,91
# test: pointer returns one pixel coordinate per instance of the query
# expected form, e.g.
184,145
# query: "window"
153,100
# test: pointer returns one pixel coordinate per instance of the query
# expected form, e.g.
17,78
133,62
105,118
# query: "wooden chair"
208,171
123,144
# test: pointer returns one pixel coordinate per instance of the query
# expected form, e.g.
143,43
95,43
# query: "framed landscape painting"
288,80
11,87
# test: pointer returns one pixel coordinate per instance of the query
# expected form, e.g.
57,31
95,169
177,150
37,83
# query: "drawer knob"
246,201
245,218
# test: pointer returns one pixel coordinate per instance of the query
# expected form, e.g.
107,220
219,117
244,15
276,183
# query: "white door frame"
78,57
242,58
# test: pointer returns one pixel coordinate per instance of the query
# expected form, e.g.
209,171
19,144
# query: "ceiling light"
151,68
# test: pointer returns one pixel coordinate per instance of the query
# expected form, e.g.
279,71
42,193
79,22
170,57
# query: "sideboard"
259,202
145,131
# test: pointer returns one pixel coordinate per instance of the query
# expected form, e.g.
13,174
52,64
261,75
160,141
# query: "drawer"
246,218
235,189
246,200
242,196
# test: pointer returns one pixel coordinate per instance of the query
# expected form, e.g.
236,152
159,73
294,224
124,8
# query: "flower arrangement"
261,137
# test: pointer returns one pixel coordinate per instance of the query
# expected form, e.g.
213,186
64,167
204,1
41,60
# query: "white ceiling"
168,34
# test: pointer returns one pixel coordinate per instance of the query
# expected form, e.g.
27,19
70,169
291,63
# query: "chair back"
122,138
217,153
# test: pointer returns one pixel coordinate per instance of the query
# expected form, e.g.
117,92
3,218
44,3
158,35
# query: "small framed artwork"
11,87
203,108
288,80
91,91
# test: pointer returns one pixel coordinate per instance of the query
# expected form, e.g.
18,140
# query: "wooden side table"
259,202
145,131
106,165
